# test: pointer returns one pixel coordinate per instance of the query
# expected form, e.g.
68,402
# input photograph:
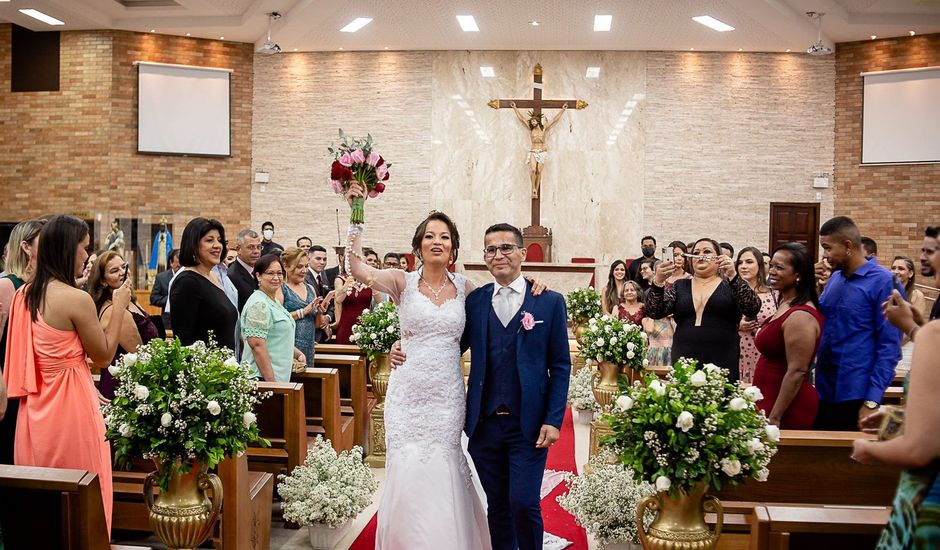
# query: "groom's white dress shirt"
507,300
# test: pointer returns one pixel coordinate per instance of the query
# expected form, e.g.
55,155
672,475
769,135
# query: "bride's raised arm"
390,281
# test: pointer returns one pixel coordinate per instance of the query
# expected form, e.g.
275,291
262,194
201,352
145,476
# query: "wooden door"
795,222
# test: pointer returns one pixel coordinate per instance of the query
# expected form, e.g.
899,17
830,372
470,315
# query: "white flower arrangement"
327,489
583,304
694,427
176,402
581,392
377,329
610,339
604,498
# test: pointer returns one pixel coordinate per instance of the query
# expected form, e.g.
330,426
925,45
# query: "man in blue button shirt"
859,349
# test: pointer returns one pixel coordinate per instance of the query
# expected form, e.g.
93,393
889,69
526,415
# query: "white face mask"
268,234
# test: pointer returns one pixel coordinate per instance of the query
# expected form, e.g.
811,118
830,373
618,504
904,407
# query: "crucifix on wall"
538,132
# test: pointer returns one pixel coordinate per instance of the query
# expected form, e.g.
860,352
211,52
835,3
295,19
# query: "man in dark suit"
517,391
161,286
248,245
322,285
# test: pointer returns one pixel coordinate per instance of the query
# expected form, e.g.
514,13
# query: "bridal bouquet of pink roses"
355,159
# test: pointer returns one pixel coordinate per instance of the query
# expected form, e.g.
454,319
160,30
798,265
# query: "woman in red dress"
788,342
351,299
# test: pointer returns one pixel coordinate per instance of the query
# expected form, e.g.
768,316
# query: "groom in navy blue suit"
517,390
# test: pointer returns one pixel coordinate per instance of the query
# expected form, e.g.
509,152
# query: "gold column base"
376,458
599,428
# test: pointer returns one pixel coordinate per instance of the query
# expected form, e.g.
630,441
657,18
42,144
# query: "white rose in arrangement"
731,467
685,421
762,474
113,369
231,362
773,433
600,342
353,337
755,445
141,392
125,430
711,367
130,359
698,378
658,387
663,483
365,311
624,403
374,336
600,357
646,362
737,404
214,407
753,394
249,418
391,329
613,340
631,355
166,419
631,346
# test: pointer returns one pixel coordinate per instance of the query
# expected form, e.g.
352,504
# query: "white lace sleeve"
389,281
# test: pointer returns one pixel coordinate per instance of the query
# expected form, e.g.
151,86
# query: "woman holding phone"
706,308
301,301
107,275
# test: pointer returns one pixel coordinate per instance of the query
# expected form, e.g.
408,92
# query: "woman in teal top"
267,328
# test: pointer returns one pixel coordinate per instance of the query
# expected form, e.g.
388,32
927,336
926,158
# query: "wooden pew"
322,404
51,508
815,468
779,527
894,395
246,505
282,421
354,398
337,349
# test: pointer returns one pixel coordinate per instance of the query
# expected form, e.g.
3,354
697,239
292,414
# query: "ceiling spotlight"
912,33
386,47
874,36
818,48
221,38
270,47
740,49
712,23
602,22
592,72
295,49
534,23
788,50
188,34
153,30
36,14
468,23
691,49
356,24
487,72
341,47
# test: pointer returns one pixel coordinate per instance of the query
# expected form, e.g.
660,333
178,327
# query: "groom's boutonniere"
528,321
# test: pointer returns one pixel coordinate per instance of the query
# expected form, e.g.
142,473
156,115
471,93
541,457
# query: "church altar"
559,277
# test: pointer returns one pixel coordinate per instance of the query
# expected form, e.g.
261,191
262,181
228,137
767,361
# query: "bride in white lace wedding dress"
428,501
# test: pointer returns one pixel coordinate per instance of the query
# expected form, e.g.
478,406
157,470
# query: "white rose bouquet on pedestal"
693,427
377,330
615,341
583,304
189,403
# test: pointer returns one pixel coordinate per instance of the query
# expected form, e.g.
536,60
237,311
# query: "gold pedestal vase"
606,388
380,369
183,515
680,522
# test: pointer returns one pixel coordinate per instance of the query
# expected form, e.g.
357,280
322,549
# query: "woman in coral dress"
52,327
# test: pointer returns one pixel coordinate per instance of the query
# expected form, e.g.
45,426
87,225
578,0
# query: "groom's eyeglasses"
506,249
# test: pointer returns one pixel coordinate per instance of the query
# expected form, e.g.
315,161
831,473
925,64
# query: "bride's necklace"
436,293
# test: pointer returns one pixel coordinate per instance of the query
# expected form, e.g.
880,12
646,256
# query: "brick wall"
892,204
75,151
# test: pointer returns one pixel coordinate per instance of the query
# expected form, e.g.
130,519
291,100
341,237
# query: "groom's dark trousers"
518,382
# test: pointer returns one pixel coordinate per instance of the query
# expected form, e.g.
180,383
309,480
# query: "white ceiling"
313,25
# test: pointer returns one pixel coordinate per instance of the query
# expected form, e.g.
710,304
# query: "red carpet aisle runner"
557,521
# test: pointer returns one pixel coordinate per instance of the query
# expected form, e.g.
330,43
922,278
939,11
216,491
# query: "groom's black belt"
503,410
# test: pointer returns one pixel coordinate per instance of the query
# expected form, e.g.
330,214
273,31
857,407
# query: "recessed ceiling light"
740,49
788,50
592,72
295,49
36,14
153,30
488,72
221,38
468,23
356,24
188,34
386,47
341,47
691,49
534,23
602,22
912,33
712,23
874,36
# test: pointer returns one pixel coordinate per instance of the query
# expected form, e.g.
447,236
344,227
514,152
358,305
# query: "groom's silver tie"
502,305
